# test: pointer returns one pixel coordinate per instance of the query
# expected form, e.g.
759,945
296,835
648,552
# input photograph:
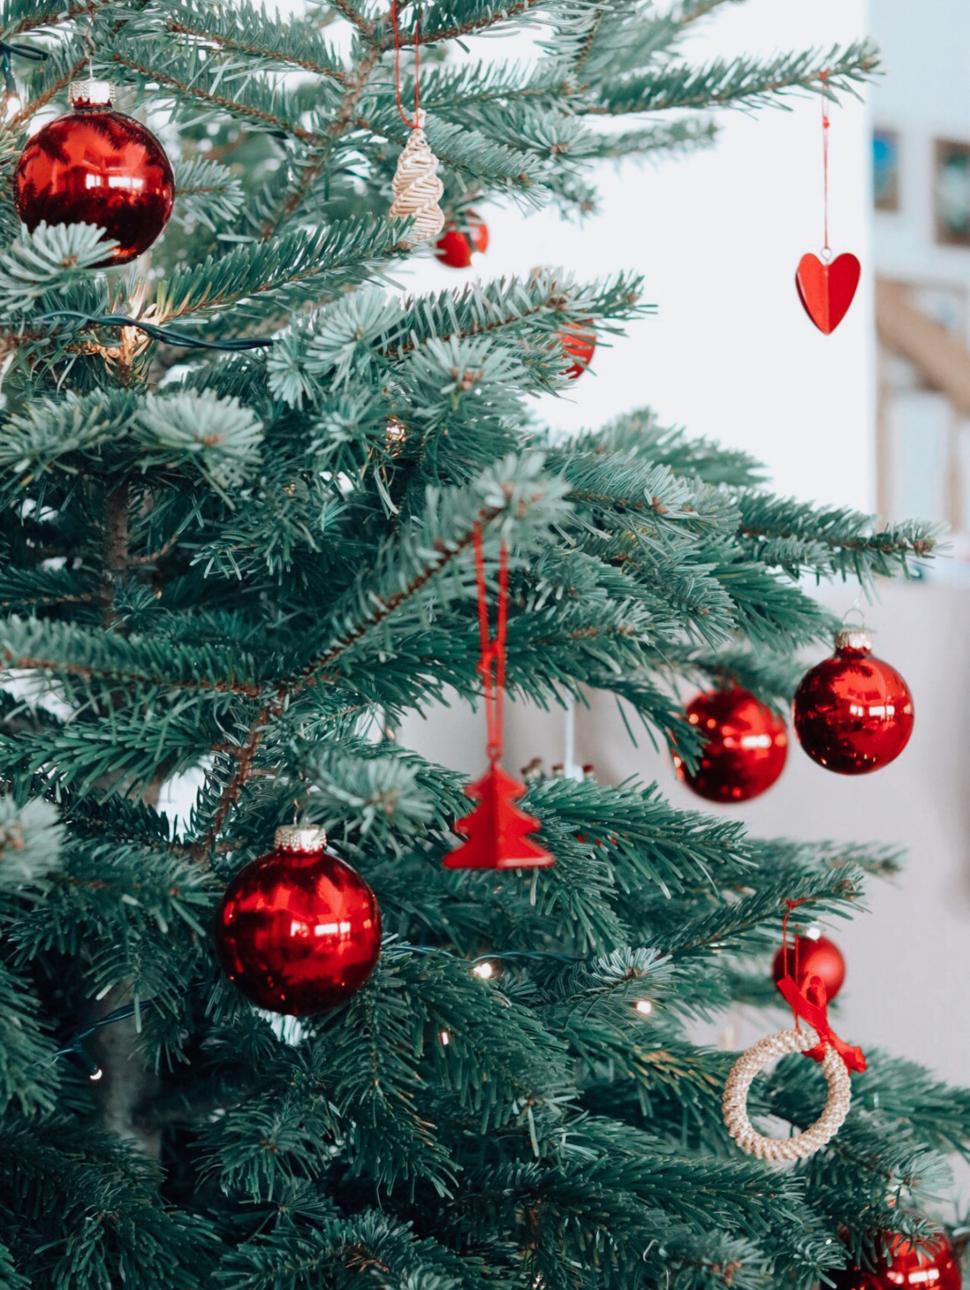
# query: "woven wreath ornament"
734,1104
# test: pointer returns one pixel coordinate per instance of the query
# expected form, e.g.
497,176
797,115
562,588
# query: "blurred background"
874,416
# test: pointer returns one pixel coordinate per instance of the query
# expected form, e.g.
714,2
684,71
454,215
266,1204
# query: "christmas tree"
238,569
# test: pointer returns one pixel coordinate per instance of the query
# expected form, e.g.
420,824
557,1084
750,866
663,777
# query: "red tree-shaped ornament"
497,831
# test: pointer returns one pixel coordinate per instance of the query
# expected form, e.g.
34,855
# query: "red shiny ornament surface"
745,748
97,166
930,1265
827,290
497,831
853,712
460,241
298,931
812,956
579,342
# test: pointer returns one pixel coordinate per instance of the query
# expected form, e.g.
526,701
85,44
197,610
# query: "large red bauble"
461,240
298,930
745,746
579,342
853,712
97,166
812,956
930,1265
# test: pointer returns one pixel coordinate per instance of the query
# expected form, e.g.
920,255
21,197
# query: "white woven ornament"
734,1104
417,189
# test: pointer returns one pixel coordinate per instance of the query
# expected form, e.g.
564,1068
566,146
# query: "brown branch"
246,752
363,25
115,545
462,29
343,119
89,672
53,18
257,51
52,91
232,106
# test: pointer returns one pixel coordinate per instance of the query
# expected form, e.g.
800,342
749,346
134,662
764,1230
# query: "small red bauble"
826,290
812,956
461,240
579,342
924,1265
745,746
298,930
853,712
97,166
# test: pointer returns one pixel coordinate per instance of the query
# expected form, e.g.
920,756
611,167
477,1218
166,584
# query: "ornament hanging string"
492,662
809,1002
826,124
416,122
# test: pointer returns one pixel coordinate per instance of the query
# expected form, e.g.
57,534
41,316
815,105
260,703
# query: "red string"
491,665
826,123
790,905
411,124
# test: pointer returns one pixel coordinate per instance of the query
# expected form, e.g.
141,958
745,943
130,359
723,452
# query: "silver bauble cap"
300,837
89,90
856,638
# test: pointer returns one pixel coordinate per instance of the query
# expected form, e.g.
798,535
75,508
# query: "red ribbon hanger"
491,665
808,1001
497,831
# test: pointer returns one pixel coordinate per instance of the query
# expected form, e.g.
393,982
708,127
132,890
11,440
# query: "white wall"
732,356
924,97
717,237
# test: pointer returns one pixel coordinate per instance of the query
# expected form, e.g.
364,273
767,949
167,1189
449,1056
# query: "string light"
644,1007
485,970
445,1038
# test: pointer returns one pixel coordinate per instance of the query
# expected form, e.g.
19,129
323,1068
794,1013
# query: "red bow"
811,1005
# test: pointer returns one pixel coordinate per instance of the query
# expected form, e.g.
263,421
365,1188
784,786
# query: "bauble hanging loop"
97,166
853,712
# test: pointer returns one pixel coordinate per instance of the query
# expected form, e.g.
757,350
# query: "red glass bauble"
853,712
812,956
579,342
745,746
97,166
298,930
461,240
924,1265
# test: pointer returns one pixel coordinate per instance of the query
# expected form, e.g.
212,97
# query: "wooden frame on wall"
951,191
885,169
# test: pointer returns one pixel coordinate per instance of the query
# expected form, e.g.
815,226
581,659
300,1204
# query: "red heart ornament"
826,290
